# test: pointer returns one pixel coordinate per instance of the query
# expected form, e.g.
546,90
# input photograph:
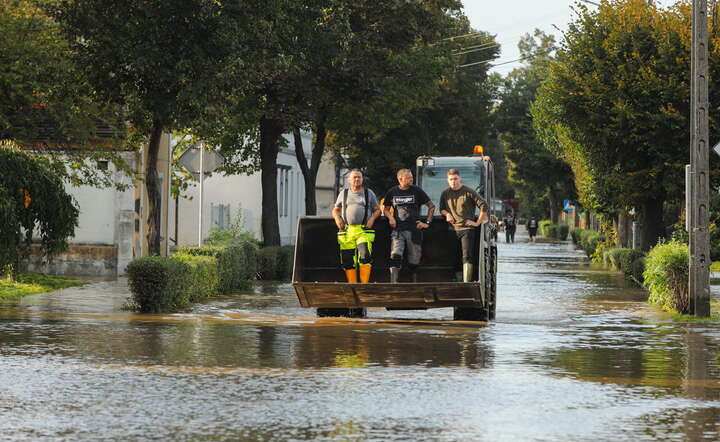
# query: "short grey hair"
403,172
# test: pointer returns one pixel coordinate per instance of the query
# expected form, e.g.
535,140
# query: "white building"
107,232
112,224
227,197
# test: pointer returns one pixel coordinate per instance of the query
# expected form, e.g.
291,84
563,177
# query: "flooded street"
575,355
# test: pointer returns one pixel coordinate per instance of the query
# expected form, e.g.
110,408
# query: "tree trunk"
310,173
552,200
587,219
270,132
623,237
576,217
152,187
652,222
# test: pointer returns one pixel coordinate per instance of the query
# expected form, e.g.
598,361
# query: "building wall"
79,259
112,223
96,226
325,190
240,192
242,196
102,245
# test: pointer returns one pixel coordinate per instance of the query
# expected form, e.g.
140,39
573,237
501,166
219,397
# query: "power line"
472,49
476,63
490,43
462,36
506,62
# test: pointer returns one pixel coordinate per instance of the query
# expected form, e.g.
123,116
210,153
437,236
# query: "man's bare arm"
425,224
391,219
337,215
448,216
431,211
482,218
373,217
483,206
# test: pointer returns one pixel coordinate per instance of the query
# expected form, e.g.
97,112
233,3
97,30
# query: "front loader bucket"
320,282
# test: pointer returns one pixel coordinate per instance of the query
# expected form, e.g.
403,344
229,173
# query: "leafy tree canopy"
357,67
47,104
33,202
541,179
615,105
166,62
332,65
453,117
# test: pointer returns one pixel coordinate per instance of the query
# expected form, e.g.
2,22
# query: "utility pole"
200,191
699,274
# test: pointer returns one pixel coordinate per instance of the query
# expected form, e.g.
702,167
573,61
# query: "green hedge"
543,227
204,275
575,235
237,263
666,276
588,240
160,284
562,231
288,253
629,261
638,270
276,263
551,230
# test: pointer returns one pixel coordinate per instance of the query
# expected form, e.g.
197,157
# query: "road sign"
190,160
194,160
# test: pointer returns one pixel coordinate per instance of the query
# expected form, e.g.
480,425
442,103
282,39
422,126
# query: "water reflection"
347,347
217,343
572,344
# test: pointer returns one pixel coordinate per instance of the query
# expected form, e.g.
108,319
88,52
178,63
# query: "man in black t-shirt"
405,199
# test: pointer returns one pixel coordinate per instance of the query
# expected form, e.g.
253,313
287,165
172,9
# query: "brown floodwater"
575,355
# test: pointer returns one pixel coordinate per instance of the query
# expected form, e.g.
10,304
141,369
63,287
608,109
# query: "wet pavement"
574,355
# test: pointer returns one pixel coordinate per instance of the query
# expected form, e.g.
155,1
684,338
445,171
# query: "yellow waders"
356,250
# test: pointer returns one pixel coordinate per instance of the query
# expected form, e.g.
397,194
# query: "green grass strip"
714,315
33,283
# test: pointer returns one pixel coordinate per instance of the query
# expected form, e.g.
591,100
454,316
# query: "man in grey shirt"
355,212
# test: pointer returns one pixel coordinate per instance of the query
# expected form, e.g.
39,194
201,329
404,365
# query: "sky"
511,19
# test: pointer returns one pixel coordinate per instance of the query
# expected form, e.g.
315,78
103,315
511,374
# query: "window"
434,178
283,190
220,215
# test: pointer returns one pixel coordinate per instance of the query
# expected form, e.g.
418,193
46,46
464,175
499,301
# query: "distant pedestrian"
532,227
510,223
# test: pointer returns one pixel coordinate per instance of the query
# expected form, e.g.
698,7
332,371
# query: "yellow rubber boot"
351,276
365,273
467,272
